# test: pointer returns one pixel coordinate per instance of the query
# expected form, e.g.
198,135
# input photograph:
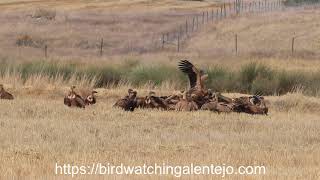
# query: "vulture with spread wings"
196,76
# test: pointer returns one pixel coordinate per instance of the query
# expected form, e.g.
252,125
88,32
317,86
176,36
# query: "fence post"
46,51
224,9
242,5
202,17
163,41
280,4
270,6
292,45
193,24
212,15
236,43
187,27
101,46
245,7
178,43
259,6
217,14
273,6
221,14
197,22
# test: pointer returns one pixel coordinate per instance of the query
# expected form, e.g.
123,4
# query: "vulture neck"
184,96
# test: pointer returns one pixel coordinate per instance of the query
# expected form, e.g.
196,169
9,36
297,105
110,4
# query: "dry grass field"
37,130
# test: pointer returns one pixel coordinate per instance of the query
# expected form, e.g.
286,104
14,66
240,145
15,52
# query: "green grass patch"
252,78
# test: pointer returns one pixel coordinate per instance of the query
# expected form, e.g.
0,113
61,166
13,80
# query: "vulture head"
150,97
132,94
259,102
91,99
72,93
152,101
256,100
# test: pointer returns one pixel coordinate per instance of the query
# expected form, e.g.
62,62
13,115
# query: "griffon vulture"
72,99
127,103
4,94
186,103
251,104
196,76
155,102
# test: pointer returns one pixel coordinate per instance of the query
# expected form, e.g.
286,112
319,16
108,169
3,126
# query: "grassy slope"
262,35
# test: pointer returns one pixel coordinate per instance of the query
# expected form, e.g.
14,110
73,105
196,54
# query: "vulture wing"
79,101
6,95
186,67
67,101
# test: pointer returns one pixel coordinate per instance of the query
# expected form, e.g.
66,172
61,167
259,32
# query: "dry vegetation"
263,36
36,133
36,130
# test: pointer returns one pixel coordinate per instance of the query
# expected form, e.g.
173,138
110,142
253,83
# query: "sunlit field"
37,130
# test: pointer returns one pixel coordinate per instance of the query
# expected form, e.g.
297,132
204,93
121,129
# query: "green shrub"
297,2
249,73
251,78
142,75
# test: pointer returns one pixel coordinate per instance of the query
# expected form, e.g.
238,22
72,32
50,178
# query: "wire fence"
174,39
193,24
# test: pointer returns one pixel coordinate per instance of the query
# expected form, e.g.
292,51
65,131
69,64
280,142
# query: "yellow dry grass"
38,130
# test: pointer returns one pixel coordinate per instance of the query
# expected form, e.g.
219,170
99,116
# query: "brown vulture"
186,103
155,102
4,94
196,76
141,102
251,105
218,107
72,99
91,98
197,82
171,101
127,103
